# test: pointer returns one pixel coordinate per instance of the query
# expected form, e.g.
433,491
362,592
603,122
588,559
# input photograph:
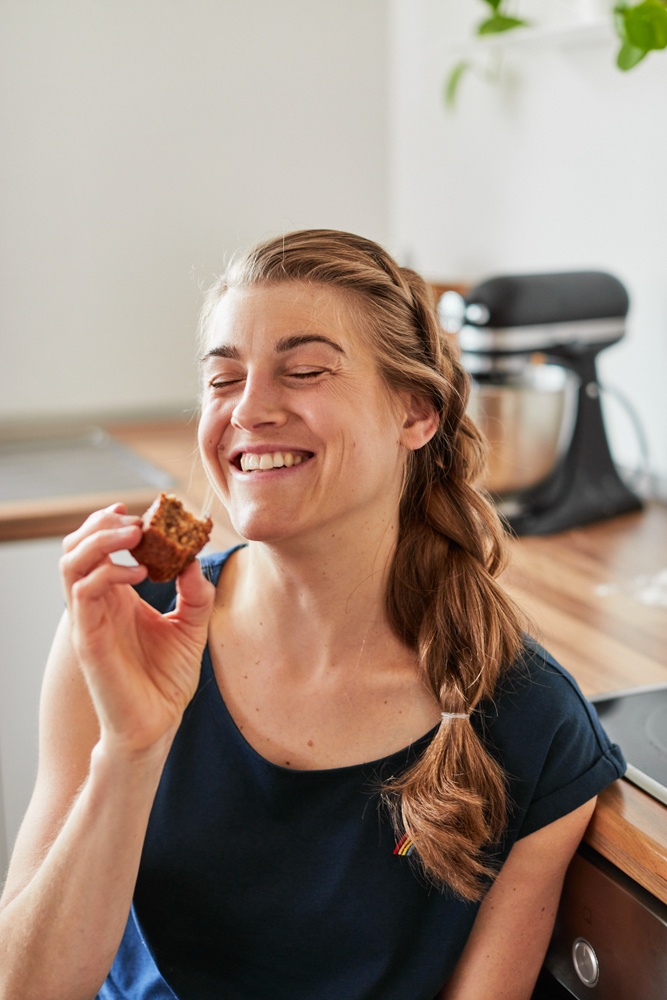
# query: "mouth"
253,462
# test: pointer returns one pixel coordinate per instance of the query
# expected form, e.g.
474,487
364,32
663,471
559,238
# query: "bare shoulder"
509,939
68,731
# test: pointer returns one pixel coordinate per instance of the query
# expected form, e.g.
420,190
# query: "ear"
420,422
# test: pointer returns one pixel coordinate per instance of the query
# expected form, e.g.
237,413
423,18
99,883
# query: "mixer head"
516,315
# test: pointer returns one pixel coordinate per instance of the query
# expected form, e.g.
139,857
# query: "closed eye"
312,374
221,383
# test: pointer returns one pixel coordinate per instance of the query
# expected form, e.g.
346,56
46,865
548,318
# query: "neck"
320,600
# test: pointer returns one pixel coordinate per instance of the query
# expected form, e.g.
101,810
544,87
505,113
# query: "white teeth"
251,461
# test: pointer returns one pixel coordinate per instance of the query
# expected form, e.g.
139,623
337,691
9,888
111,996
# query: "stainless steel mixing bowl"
528,418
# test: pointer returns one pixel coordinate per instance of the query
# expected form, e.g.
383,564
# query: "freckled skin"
342,414
321,533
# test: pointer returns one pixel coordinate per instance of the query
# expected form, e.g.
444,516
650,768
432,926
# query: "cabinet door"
610,938
31,604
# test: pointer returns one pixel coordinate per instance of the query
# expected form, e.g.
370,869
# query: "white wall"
562,167
142,141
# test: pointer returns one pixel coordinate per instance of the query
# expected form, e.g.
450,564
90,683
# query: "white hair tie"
446,716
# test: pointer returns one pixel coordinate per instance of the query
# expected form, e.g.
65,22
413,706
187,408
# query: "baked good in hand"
171,540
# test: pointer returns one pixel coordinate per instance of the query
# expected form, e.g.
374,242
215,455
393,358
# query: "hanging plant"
642,28
498,22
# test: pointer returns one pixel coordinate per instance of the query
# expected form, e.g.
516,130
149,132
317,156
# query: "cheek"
205,431
212,424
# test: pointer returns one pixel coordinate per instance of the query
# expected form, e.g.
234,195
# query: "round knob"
585,962
478,313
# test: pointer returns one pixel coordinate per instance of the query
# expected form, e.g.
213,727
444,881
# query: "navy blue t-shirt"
263,881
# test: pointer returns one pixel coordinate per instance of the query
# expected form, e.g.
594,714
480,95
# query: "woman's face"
297,433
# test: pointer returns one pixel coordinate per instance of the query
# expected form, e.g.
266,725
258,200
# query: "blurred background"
143,141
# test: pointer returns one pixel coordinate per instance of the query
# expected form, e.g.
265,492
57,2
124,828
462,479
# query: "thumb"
195,598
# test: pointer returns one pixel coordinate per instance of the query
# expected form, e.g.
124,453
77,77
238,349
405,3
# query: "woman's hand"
141,667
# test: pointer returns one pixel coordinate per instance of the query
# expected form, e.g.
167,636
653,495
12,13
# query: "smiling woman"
331,765
313,396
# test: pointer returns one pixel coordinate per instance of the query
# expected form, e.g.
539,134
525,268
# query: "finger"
100,581
110,517
195,596
90,552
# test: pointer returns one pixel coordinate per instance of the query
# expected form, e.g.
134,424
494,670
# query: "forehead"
265,314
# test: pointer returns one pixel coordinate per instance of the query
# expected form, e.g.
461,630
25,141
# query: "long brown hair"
442,597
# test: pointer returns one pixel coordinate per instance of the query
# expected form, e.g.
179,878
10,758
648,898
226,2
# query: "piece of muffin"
171,540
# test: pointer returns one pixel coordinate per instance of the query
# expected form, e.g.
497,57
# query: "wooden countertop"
580,591
606,638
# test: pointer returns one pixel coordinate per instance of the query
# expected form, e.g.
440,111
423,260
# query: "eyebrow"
282,347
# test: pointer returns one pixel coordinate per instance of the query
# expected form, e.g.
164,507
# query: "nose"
261,405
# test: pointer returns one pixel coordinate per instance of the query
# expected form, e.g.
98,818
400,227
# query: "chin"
261,527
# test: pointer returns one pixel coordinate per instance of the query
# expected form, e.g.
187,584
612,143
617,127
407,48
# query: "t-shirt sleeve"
554,750
581,751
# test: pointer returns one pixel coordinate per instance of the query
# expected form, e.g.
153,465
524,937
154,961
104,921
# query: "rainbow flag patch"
405,845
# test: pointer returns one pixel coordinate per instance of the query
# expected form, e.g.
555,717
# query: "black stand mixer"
508,324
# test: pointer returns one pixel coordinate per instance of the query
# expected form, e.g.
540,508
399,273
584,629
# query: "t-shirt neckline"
216,563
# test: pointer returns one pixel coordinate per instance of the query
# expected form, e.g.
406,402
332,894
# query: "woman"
331,766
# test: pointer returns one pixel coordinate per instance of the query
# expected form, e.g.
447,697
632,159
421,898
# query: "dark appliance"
514,331
610,938
636,719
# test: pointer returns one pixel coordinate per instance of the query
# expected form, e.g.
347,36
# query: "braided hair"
442,599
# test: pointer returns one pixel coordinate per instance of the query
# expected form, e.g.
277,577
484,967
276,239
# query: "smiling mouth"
249,461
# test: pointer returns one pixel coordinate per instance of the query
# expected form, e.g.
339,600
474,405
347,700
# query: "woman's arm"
73,869
505,951
117,681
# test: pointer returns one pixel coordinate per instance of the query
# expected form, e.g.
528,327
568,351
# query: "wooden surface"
60,515
630,828
581,592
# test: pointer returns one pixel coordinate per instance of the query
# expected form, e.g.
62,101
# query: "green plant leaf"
628,56
495,4
452,84
498,23
619,20
646,25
